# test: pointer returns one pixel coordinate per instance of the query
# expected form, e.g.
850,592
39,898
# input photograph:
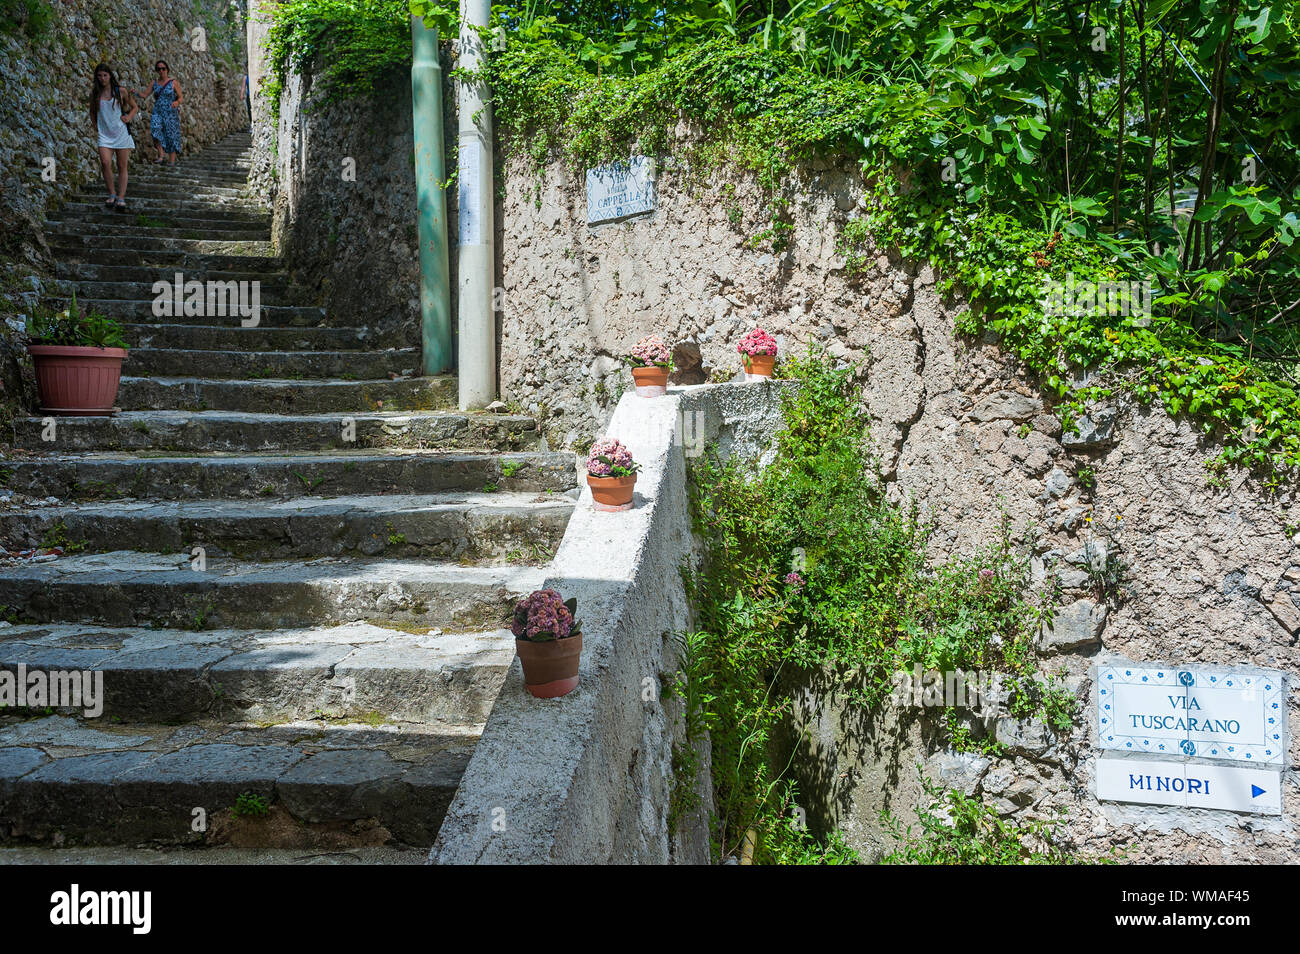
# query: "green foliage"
1009,146
73,326
31,17
57,538
250,805
995,144
357,46
809,565
960,829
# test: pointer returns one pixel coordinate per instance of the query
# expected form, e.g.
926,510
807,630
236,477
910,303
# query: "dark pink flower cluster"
609,458
757,341
542,616
794,580
651,350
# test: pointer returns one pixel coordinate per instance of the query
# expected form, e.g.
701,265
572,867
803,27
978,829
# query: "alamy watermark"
53,688
978,691
1132,298
75,907
211,299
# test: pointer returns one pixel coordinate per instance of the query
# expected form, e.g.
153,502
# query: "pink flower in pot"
548,640
611,474
759,351
652,361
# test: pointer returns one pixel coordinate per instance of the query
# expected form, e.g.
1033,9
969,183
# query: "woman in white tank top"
111,108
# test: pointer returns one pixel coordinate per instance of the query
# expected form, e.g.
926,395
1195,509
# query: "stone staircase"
288,554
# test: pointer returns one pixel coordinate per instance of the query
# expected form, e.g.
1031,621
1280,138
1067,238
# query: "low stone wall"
588,778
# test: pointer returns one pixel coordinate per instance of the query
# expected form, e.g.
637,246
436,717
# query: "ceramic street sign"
1190,785
1186,711
620,189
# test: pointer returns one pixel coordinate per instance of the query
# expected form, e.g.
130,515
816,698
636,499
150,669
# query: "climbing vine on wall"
1134,141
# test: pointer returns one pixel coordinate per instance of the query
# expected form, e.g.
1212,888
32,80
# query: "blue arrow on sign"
1256,791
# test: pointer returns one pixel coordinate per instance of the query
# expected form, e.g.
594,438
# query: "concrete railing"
588,778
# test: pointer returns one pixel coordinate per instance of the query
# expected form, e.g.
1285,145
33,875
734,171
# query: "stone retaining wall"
1209,574
339,175
47,143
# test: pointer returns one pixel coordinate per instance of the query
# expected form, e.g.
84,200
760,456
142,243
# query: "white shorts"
122,140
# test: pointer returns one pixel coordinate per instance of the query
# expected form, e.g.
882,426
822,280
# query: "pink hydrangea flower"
610,458
757,341
651,350
542,616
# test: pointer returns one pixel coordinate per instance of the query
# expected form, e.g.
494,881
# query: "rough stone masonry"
1210,574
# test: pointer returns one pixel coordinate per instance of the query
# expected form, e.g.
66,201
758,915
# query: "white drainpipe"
476,249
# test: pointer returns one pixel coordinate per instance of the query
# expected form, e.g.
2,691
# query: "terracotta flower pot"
550,668
77,380
759,366
651,381
611,494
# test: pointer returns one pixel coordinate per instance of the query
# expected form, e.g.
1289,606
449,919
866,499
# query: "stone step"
214,156
361,365
177,214
136,191
126,588
207,431
209,230
75,782
345,671
193,168
268,294
151,200
465,527
286,397
201,162
141,310
132,276
182,182
250,477
172,260
92,248
233,337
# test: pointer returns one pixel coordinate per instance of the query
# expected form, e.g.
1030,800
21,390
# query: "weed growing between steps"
809,567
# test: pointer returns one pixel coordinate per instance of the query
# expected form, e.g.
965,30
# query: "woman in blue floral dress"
165,125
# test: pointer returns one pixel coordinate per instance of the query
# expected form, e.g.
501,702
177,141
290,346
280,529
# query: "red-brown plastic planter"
551,667
77,380
651,381
611,494
759,366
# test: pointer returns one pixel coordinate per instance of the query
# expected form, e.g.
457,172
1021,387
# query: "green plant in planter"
47,326
100,331
74,327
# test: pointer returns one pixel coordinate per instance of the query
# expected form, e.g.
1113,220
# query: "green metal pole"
431,201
